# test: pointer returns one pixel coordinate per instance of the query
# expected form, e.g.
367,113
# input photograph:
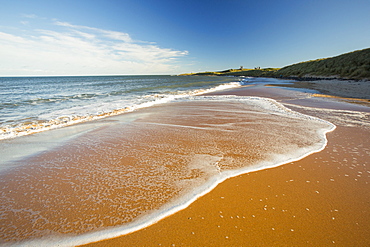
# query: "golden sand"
321,200
124,170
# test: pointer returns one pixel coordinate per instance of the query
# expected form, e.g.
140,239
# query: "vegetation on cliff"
353,65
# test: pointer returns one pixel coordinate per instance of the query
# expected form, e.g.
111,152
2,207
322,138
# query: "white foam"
271,105
68,117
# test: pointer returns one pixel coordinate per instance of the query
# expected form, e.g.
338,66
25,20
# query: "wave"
67,117
266,108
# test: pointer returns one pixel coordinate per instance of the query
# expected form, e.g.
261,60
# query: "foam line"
12,131
198,192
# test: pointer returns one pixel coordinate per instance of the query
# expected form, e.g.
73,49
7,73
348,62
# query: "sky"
134,37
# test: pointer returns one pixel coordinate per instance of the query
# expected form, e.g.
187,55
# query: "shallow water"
131,170
33,104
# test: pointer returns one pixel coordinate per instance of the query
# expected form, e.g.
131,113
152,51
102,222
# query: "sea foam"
75,115
243,124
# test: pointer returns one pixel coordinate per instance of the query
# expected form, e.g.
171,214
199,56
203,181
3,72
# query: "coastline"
106,141
196,149
276,208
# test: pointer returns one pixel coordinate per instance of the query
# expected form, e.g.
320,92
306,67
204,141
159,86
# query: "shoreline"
305,203
176,220
282,96
335,87
308,146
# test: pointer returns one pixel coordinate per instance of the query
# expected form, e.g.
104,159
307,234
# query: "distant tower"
241,67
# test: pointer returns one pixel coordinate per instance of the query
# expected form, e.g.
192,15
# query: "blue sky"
112,37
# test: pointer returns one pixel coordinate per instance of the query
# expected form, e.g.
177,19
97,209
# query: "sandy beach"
321,200
211,170
184,123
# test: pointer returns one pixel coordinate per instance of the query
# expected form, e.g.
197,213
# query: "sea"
88,158
34,104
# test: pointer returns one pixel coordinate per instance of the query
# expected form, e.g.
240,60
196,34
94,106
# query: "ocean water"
33,104
121,173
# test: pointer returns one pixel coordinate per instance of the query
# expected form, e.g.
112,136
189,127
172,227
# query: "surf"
157,163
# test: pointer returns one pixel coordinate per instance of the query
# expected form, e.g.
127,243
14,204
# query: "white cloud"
106,33
80,50
24,22
30,16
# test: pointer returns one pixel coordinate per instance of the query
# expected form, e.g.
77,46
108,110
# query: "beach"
334,87
320,200
237,167
184,123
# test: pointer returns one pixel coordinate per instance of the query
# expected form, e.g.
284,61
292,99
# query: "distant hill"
352,65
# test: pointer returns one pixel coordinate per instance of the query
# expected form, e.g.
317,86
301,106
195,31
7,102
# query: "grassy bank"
353,65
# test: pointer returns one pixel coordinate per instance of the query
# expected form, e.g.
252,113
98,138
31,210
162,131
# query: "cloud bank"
67,49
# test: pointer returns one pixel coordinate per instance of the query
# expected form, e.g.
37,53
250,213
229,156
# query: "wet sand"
320,200
342,88
134,169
